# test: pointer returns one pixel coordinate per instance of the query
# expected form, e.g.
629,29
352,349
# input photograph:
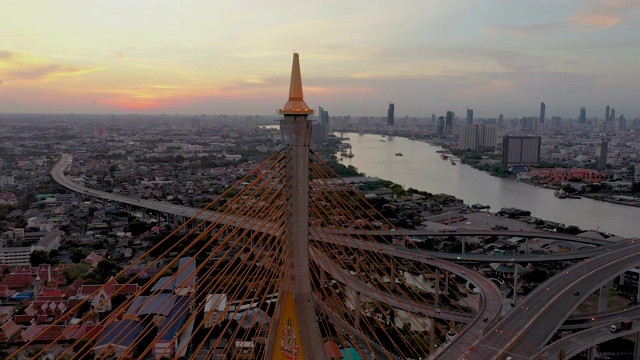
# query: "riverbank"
635,202
421,167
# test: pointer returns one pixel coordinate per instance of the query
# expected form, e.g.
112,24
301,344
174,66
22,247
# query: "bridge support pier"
515,283
591,353
432,336
446,282
437,288
392,274
636,348
603,299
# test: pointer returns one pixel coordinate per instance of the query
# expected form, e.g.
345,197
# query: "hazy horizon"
196,56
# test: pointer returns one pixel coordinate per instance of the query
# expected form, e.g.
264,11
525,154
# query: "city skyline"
424,56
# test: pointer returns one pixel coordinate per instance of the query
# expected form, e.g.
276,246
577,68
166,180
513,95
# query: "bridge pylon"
297,335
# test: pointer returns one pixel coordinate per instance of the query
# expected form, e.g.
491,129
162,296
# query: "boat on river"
399,154
444,156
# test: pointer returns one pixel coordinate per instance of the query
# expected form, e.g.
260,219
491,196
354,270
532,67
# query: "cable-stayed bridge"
288,270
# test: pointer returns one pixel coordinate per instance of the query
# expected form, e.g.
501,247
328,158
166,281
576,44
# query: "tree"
78,254
572,230
38,257
76,271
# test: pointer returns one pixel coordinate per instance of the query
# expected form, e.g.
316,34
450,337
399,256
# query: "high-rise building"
448,124
521,150
543,109
390,114
601,154
607,115
583,116
556,121
622,123
612,116
469,116
441,125
478,137
323,116
528,123
433,118
319,133
501,119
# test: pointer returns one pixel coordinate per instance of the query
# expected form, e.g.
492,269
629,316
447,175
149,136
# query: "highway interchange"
521,333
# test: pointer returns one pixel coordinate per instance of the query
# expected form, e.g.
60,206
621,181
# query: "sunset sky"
234,57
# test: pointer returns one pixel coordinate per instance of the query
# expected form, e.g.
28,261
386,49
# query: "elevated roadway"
524,331
523,234
575,343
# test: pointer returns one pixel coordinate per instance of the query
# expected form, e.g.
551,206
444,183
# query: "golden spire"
296,104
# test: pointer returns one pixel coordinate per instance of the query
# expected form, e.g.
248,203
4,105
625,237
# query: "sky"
356,56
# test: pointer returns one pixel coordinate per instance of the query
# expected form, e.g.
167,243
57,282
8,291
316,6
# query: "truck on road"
624,325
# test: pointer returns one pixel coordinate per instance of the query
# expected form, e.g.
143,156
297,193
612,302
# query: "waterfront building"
323,116
478,137
319,133
440,129
559,175
391,114
601,154
448,124
521,150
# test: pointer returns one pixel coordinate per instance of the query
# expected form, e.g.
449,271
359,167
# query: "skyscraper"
448,124
501,119
543,109
612,116
323,116
478,137
583,116
521,150
607,114
441,125
601,154
622,123
528,123
390,114
469,116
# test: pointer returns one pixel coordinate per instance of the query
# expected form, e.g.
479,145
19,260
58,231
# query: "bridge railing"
604,313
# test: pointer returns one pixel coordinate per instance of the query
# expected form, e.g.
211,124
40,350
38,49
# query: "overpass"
523,332
575,343
512,233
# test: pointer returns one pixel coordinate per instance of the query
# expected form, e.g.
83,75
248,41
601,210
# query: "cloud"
525,30
604,13
22,67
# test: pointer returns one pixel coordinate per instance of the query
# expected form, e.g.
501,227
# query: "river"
422,168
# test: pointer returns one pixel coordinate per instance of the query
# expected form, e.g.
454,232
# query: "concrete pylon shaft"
296,135
299,130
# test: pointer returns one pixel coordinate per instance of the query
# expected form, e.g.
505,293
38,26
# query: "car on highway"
576,293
